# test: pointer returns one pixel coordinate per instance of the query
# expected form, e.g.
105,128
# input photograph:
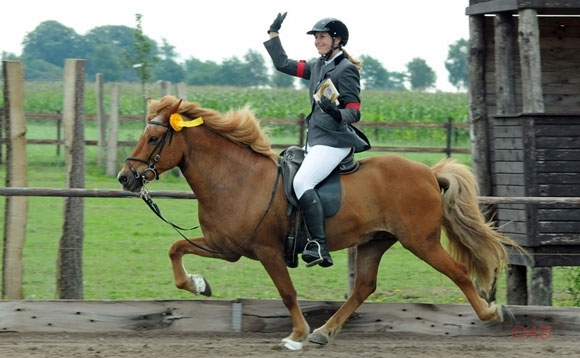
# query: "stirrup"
317,261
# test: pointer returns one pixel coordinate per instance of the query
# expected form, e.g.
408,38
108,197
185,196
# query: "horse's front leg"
274,264
193,283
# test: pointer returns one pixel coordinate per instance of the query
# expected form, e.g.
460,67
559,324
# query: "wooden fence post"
16,210
58,133
182,91
301,131
449,135
165,88
113,132
351,273
101,122
70,253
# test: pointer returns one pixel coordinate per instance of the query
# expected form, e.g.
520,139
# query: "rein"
147,198
149,201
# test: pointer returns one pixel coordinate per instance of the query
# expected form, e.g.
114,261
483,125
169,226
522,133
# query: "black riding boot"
316,251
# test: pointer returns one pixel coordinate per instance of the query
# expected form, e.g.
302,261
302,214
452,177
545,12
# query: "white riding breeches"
318,163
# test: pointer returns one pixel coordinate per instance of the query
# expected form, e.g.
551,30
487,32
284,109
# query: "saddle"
328,190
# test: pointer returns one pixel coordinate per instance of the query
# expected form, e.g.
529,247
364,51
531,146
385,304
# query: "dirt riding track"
244,328
383,344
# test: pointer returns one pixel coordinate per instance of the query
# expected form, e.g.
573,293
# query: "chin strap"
332,48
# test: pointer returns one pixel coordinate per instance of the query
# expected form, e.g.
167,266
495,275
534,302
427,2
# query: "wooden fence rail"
173,194
56,116
452,132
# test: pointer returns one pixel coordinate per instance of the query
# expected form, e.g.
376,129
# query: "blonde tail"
472,240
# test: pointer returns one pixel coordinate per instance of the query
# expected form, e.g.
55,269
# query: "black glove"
330,108
275,27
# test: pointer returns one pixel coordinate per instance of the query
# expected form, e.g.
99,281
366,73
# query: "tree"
421,76
456,64
106,46
9,56
396,81
282,80
256,69
167,51
168,70
143,58
52,42
232,73
40,70
106,59
49,45
251,71
375,76
199,73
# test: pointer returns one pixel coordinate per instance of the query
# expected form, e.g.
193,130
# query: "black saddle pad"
328,189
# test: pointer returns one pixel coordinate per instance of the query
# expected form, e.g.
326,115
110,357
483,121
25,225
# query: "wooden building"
524,70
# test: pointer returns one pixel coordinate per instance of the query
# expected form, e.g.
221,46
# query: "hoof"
201,285
506,314
318,338
291,345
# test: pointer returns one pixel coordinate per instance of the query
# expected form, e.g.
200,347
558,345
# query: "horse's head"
149,159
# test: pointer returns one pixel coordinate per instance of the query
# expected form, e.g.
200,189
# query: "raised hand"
275,27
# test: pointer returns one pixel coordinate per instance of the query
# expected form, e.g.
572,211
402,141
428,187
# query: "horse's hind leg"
368,257
433,253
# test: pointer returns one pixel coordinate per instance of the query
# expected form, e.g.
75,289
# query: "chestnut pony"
230,166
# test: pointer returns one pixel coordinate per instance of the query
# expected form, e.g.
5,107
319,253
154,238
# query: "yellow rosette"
177,123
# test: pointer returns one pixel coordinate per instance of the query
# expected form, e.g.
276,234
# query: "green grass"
125,244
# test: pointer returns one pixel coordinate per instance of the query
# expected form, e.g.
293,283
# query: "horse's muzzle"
129,181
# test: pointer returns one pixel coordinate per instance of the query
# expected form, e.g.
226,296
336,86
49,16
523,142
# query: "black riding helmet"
333,26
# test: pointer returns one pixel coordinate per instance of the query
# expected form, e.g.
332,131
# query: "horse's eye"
153,140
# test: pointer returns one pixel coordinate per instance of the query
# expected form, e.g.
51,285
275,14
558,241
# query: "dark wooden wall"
539,155
524,68
560,55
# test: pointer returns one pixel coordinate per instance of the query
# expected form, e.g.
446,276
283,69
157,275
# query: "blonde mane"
239,126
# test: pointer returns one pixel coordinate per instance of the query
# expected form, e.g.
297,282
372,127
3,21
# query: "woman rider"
329,138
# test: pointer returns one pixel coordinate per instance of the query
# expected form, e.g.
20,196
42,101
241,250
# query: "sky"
393,32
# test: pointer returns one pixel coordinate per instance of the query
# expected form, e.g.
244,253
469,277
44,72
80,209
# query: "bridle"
153,158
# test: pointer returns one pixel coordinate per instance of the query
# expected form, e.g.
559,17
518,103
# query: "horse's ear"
173,109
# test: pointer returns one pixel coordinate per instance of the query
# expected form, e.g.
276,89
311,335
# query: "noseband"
153,157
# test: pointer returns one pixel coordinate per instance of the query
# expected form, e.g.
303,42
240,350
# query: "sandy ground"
210,345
